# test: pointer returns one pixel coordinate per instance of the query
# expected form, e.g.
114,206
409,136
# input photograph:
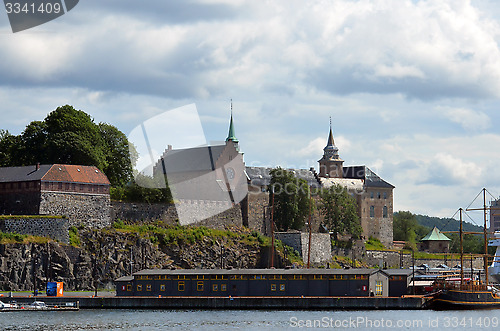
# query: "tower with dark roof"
331,165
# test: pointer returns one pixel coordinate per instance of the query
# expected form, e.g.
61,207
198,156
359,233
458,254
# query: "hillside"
446,224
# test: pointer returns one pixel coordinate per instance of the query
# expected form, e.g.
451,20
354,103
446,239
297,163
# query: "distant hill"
446,224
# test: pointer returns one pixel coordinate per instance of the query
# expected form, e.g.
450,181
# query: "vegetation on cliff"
95,258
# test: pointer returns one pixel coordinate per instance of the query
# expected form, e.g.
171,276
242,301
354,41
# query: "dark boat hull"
466,299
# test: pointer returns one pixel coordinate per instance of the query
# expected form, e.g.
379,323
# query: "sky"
412,87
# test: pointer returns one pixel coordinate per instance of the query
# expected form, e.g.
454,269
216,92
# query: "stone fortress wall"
321,246
167,213
91,210
53,227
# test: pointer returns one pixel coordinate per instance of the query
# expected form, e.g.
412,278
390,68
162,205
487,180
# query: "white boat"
494,269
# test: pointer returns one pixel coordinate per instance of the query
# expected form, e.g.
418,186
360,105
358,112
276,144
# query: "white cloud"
469,119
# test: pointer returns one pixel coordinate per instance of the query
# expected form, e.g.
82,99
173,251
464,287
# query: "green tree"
9,148
404,226
340,211
70,136
74,138
116,150
291,199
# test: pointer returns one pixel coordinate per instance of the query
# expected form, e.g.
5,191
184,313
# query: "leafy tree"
340,211
73,137
291,199
70,136
9,148
135,193
404,226
116,150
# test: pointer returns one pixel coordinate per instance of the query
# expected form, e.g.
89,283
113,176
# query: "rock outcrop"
104,255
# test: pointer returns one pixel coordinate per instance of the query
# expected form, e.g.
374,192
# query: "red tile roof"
76,174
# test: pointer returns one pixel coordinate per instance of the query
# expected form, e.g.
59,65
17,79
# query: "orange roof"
76,174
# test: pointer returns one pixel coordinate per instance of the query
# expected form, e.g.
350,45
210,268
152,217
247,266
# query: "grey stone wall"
55,228
91,210
137,212
167,213
321,249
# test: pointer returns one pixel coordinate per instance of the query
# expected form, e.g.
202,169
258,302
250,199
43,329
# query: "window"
129,288
215,287
273,287
371,195
162,287
372,211
385,212
378,195
385,195
282,287
139,288
148,287
181,286
223,287
378,287
199,286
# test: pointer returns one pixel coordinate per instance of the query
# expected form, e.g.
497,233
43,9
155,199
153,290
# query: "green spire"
231,136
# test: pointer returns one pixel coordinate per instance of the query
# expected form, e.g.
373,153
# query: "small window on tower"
372,211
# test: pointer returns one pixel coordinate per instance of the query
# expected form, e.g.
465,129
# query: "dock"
238,303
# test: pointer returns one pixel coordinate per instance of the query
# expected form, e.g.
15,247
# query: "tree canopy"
69,136
291,199
340,211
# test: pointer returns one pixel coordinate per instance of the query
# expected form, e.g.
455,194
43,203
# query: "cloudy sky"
413,87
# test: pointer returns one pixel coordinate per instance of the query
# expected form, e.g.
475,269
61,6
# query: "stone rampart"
214,214
92,210
52,227
321,247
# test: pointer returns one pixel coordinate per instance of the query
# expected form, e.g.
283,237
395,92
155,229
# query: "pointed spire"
331,151
330,137
231,136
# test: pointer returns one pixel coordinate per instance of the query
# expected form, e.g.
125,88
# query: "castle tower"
331,165
231,136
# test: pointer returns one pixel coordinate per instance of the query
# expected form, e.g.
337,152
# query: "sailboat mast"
461,252
485,257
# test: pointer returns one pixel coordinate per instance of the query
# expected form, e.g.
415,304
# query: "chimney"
169,147
37,166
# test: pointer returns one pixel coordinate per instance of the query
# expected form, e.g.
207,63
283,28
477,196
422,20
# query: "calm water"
250,320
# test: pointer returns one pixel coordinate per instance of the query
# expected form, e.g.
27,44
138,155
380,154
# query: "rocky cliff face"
104,255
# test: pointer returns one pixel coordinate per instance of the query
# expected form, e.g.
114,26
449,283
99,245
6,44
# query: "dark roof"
370,178
398,272
352,271
260,176
23,174
54,173
191,159
125,279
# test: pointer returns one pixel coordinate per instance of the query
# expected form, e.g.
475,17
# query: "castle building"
374,196
81,193
204,180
